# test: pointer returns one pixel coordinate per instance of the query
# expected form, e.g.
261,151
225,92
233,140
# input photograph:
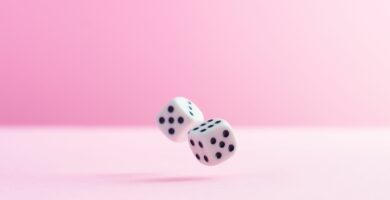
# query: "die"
212,142
177,117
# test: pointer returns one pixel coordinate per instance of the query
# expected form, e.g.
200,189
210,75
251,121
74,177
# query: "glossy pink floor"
139,163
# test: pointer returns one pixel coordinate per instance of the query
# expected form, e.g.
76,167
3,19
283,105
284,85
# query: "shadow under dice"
212,142
177,117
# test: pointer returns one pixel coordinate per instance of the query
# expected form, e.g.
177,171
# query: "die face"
175,119
212,142
191,110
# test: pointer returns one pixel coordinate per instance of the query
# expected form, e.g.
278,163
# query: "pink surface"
252,62
111,163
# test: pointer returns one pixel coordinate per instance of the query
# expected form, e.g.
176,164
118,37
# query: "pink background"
117,62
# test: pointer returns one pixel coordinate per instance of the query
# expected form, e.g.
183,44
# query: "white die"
212,142
177,117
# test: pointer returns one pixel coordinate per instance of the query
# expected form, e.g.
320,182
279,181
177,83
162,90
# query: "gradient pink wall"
252,62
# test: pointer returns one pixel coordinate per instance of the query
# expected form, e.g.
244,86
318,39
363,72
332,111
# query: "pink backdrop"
252,62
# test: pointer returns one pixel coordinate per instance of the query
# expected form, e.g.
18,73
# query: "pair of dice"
212,142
